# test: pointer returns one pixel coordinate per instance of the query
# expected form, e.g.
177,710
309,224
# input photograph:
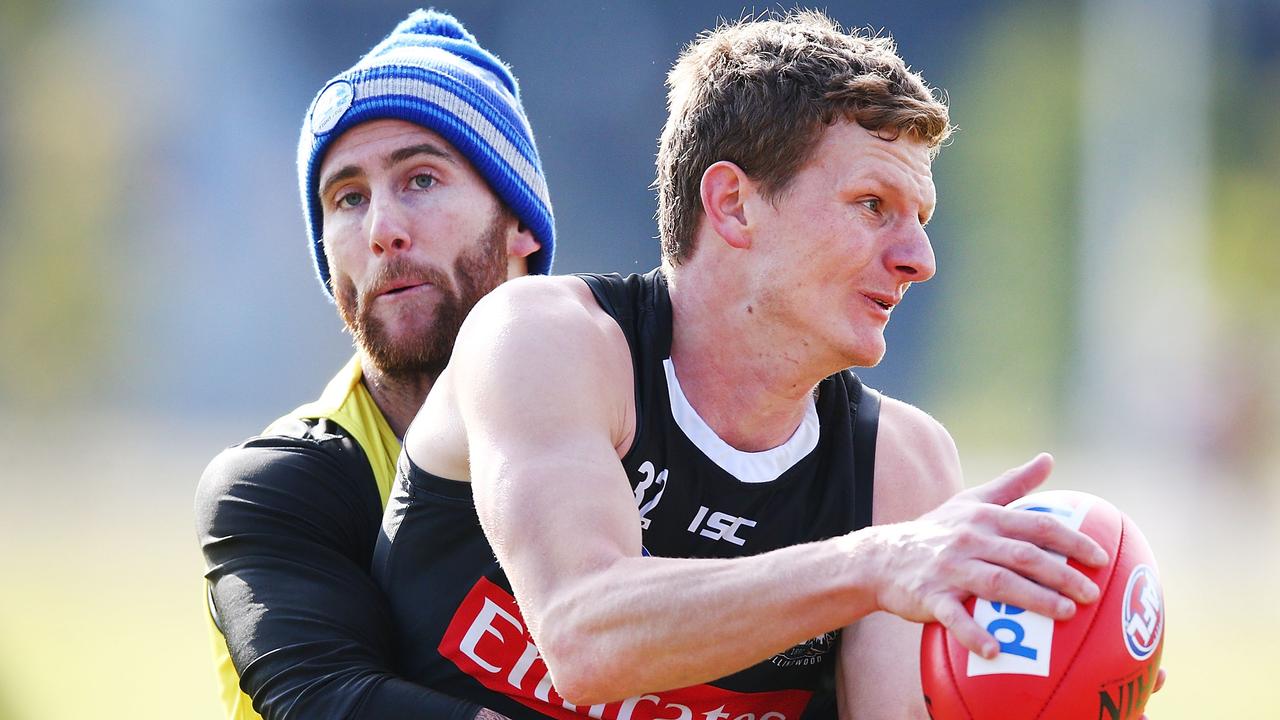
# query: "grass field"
90,640
100,610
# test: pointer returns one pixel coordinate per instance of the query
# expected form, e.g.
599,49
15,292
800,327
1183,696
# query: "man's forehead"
377,141
869,155
875,147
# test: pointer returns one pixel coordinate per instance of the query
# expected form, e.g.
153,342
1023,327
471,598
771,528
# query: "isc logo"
720,526
1143,613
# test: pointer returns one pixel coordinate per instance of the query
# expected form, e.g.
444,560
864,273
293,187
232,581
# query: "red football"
1102,663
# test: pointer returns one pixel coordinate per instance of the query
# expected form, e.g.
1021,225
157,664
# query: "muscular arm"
287,527
546,429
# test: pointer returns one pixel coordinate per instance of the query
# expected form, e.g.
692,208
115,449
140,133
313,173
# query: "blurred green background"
1107,287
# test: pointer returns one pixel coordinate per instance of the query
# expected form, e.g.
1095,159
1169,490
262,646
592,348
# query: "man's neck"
749,382
398,397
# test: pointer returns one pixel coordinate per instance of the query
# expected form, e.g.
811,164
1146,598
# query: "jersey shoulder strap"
866,421
640,304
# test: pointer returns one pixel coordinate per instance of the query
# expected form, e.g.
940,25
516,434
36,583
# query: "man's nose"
388,226
912,254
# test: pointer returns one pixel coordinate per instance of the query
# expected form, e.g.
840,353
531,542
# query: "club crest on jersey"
1143,613
809,652
652,479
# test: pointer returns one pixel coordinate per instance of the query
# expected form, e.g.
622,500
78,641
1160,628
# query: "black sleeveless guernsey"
459,629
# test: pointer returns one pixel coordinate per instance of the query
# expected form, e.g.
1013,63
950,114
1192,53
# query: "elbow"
582,687
586,634
582,670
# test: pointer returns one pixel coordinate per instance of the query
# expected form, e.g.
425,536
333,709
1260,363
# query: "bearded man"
422,190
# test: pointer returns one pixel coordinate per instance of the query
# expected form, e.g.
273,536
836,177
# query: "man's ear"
724,190
520,245
520,241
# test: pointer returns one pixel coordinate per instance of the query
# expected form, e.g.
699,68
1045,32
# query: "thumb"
1014,483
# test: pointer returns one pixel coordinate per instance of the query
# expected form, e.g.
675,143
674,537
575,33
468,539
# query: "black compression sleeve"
287,526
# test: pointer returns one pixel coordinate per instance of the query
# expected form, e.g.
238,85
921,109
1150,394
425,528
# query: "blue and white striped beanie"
430,71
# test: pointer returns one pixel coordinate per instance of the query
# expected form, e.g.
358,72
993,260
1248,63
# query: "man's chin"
867,354
424,359
404,343
406,324
404,338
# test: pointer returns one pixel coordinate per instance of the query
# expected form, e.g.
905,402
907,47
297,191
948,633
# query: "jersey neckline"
748,467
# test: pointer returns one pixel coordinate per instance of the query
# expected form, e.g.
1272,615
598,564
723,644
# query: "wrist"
861,557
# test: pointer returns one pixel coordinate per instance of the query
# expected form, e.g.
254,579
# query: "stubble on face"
477,271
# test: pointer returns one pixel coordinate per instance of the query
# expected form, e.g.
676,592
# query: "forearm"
307,630
319,652
397,698
707,618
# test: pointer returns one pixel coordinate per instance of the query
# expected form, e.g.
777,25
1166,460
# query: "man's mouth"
397,291
885,301
400,286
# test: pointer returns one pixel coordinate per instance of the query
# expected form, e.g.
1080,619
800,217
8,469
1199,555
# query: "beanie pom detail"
432,22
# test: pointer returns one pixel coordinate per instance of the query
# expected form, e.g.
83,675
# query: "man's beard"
477,270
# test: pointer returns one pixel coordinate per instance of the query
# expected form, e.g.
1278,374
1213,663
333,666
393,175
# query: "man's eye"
872,204
423,181
351,199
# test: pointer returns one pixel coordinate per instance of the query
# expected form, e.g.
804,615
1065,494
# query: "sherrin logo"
1142,617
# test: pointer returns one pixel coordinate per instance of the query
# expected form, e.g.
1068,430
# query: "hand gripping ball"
1101,663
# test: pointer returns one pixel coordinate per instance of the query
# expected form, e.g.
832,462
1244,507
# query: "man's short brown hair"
758,93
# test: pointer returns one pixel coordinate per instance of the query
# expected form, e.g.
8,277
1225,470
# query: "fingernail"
1090,592
1065,607
990,650
1100,558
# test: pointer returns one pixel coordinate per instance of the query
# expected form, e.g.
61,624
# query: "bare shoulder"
543,310
531,346
917,464
541,348
539,327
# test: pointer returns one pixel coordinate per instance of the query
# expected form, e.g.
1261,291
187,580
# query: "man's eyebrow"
885,183
345,173
396,157
405,153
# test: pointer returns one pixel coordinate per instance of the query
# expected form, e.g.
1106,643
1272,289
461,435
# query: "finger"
1159,684
1001,585
952,615
1015,483
1043,530
1044,569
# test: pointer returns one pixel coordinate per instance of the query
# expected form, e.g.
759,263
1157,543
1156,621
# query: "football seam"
1115,567
951,673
